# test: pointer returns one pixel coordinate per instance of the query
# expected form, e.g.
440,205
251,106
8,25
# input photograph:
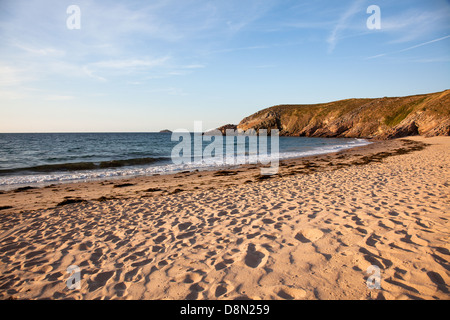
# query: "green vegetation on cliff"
425,114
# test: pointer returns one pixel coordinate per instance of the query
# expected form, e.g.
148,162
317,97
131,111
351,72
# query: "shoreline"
165,167
310,232
113,188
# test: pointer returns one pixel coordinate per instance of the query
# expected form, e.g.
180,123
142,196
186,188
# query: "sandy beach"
309,232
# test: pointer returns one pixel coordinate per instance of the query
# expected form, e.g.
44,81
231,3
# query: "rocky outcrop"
382,118
403,131
226,127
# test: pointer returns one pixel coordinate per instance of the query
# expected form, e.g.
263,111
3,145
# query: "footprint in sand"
437,279
413,240
191,278
184,226
254,258
141,263
221,265
309,235
195,287
386,224
160,239
100,280
96,256
424,224
54,276
222,289
84,246
133,275
120,289
291,293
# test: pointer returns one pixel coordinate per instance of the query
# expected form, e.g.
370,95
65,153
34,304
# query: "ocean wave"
139,166
81,166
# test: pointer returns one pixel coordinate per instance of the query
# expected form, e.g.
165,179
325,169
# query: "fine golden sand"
310,232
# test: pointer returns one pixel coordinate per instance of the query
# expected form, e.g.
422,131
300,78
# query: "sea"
36,159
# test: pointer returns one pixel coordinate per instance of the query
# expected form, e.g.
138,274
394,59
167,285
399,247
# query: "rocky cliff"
383,118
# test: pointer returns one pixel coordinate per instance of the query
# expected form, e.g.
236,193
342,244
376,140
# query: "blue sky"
151,65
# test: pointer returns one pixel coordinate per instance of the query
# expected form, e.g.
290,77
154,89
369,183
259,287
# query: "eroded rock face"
410,129
383,118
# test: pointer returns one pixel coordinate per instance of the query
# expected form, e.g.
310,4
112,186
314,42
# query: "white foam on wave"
10,182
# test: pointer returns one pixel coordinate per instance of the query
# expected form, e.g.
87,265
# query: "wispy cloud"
226,50
91,74
56,97
170,91
432,60
174,47
414,24
309,24
128,64
40,51
409,48
100,70
12,76
194,66
11,95
342,24
240,15
111,31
